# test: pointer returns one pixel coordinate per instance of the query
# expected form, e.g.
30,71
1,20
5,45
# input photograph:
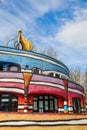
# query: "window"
76,105
35,71
50,74
45,104
57,75
8,102
1,67
62,76
14,67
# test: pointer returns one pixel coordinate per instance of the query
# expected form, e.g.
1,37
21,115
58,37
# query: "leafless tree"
85,79
47,51
76,75
50,52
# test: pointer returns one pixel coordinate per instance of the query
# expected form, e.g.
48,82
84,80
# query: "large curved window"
8,102
45,104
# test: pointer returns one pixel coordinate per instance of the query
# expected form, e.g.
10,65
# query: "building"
35,83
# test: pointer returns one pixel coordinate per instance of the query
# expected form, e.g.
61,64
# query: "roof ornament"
22,43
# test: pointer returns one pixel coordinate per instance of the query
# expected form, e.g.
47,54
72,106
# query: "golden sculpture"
25,44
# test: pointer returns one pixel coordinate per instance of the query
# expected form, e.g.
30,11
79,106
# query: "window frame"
14,65
50,101
8,106
76,103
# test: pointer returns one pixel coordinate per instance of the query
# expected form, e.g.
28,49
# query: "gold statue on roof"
25,44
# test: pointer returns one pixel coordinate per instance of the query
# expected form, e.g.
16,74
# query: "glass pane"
5,95
4,100
41,110
46,108
40,97
76,105
1,67
51,97
57,75
13,68
51,105
46,97
4,106
55,102
35,71
46,105
50,74
13,106
40,104
35,105
14,100
35,98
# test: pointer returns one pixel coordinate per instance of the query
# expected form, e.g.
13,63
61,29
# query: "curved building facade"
36,92
35,83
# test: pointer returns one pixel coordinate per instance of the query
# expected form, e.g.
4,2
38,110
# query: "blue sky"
60,24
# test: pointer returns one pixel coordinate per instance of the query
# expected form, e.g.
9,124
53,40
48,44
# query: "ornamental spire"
26,45
23,42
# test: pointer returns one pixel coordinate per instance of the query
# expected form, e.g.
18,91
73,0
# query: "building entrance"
76,105
45,104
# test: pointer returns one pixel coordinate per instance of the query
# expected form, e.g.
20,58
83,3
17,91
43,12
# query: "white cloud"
71,40
9,24
11,21
74,32
23,15
42,7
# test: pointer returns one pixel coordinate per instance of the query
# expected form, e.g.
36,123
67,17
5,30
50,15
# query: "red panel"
30,99
69,102
20,110
38,89
16,85
21,99
30,111
72,95
60,102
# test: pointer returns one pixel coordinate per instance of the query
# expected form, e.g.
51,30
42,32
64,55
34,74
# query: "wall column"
70,105
30,103
65,107
27,78
66,96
